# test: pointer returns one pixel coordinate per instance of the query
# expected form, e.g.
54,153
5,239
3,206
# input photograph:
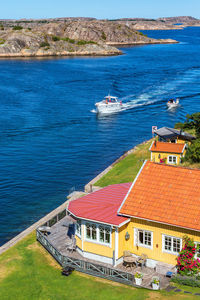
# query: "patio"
59,239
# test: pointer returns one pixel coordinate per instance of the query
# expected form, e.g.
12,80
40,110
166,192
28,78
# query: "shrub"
17,27
55,38
2,41
193,152
190,281
103,35
82,42
29,28
138,275
187,264
66,39
44,44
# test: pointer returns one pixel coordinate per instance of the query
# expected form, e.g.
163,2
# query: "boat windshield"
111,99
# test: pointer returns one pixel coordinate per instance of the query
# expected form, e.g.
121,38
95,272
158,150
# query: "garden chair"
142,260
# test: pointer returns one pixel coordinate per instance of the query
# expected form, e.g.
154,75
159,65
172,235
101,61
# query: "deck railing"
85,266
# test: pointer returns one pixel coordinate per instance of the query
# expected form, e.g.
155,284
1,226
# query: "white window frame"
90,225
172,240
97,241
78,228
172,162
136,238
195,256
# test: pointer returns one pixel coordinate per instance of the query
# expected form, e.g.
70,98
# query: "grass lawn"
127,169
27,271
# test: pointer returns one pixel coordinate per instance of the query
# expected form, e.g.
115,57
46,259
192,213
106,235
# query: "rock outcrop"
77,36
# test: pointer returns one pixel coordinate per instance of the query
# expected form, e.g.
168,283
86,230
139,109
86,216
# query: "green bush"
17,27
66,39
44,44
193,152
103,35
55,38
190,281
2,41
82,42
29,28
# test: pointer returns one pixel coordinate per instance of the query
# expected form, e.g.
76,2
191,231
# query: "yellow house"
149,216
169,153
171,135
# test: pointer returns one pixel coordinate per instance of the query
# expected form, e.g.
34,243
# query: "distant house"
169,153
149,216
171,135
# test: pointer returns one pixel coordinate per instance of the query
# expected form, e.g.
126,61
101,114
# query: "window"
78,228
171,244
197,254
172,159
99,233
104,234
91,231
144,238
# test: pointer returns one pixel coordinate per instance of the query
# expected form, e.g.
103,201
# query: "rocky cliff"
78,36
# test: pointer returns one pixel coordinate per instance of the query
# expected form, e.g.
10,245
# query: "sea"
51,140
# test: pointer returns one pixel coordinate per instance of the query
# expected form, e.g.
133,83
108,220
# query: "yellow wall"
155,156
157,229
94,247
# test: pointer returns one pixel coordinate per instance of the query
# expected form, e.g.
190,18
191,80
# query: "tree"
193,121
193,152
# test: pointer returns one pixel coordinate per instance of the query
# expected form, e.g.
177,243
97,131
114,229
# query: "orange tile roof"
165,194
167,147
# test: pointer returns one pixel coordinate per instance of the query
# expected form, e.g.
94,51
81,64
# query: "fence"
85,266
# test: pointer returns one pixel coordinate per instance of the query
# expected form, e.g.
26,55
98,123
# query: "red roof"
102,205
165,194
167,147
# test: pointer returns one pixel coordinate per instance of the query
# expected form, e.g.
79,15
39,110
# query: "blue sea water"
51,142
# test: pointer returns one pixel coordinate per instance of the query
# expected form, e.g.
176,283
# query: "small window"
171,244
172,159
91,231
78,227
145,238
104,234
197,254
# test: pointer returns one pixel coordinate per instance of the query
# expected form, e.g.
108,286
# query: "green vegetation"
141,33
192,125
44,44
82,42
66,39
29,28
103,36
17,27
187,263
2,41
56,38
27,271
126,169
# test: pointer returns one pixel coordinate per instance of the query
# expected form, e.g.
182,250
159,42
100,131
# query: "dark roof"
170,133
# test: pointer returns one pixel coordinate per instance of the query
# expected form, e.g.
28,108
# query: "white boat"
172,103
109,105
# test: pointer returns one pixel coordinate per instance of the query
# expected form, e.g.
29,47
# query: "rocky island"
69,36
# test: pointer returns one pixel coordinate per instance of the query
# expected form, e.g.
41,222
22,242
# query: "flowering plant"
155,280
138,275
187,263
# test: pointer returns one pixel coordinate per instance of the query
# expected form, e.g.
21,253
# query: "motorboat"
172,103
108,105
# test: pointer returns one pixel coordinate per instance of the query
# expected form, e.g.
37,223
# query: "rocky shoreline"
69,37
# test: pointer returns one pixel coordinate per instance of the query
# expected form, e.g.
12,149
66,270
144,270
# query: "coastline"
88,188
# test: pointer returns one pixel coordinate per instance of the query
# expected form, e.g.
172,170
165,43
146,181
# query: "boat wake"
184,85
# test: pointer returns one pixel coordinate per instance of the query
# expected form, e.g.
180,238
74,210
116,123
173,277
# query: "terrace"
56,240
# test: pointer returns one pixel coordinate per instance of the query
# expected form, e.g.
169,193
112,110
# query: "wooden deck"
58,238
